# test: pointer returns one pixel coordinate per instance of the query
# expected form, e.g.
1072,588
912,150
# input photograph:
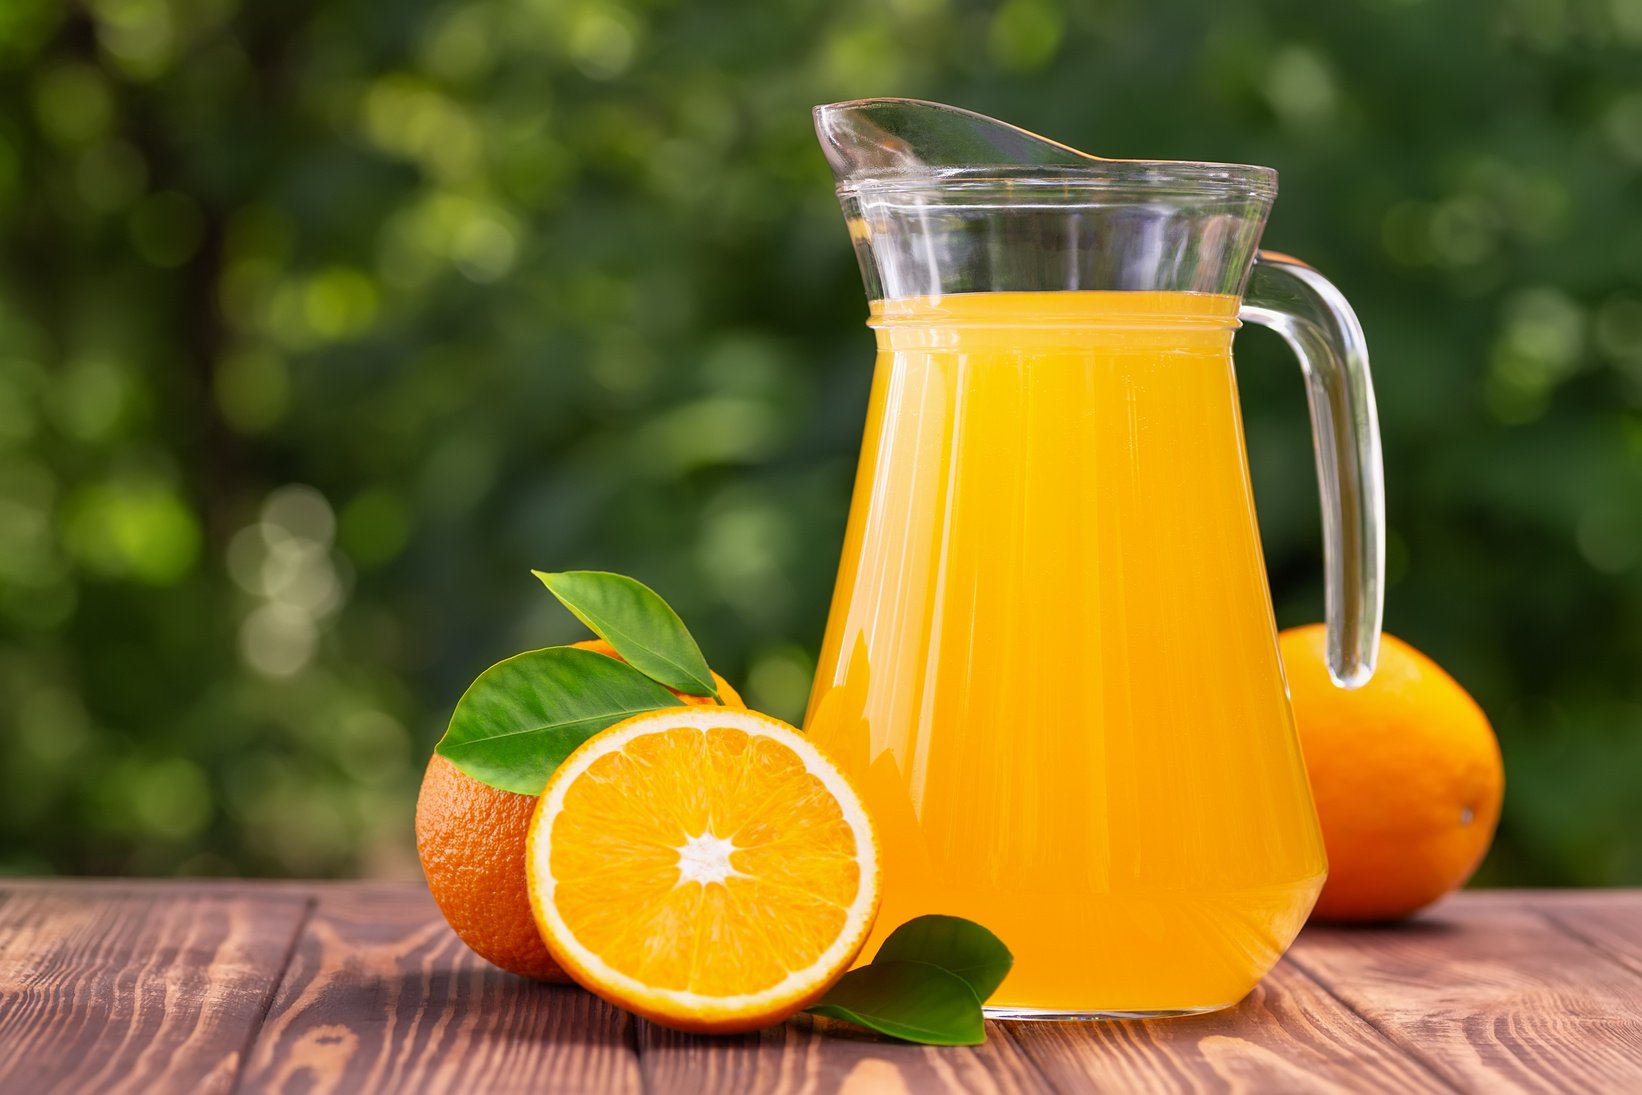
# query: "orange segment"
707,868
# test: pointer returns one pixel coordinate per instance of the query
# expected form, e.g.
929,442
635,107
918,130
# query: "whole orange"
1406,774
470,838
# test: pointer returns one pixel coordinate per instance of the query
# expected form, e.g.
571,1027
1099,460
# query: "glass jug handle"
1313,317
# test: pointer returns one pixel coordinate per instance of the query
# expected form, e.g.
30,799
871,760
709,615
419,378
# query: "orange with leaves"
470,838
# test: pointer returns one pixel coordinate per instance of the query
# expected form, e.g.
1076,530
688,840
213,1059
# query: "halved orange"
707,868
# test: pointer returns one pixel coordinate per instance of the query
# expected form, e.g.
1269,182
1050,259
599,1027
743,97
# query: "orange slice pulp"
705,867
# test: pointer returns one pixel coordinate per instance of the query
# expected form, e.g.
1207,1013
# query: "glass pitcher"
1051,664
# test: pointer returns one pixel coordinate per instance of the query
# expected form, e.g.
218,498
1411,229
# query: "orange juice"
1051,665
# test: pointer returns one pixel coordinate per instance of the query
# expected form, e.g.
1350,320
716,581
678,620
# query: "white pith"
705,856
706,859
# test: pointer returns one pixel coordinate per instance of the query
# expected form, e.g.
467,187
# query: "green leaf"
959,946
523,716
914,1001
633,618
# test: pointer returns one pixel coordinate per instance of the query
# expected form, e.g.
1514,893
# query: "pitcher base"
1056,1015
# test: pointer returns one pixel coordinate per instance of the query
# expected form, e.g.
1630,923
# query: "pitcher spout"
879,138
942,200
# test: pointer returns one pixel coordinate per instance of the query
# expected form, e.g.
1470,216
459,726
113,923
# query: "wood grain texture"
1612,923
110,991
1492,995
812,1055
177,987
1289,1034
380,996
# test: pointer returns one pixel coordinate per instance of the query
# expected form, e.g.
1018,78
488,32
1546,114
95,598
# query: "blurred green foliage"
322,322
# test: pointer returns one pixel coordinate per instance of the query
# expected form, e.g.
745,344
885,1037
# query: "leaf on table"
959,946
914,1001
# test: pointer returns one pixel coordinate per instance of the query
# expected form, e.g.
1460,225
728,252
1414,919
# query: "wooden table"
360,987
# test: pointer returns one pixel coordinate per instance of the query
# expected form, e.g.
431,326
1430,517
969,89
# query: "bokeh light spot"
1610,537
277,640
167,228
92,396
1301,88
1538,347
299,510
110,175
139,35
55,726
1024,35
1623,125
252,390
72,103
461,46
137,527
717,430
779,682
373,747
374,527
601,39
171,799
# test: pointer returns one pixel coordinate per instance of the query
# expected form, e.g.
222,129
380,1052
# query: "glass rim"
1193,177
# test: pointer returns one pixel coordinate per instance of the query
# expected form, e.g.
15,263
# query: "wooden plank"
1609,921
114,986
1289,1034
1491,995
109,992
380,995
808,1054
211,887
